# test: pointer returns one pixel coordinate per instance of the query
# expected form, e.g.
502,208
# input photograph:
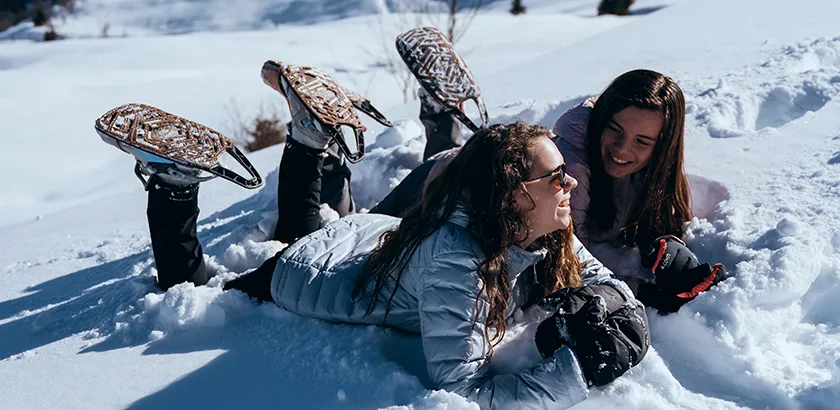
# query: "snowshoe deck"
441,72
330,103
149,133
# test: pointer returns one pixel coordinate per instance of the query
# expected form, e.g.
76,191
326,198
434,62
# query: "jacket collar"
518,259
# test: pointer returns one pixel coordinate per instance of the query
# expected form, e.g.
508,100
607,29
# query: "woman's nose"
620,143
571,183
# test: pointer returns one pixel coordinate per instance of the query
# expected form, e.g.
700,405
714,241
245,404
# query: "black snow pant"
172,224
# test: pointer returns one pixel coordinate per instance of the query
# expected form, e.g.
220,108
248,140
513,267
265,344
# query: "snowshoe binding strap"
155,136
326,100
363,104
441,72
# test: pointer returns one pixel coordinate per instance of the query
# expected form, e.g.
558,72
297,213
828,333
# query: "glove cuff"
706,283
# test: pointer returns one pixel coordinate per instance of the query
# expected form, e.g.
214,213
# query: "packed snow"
82,324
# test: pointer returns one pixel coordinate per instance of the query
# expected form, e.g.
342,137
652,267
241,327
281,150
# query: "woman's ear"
520,198
523,202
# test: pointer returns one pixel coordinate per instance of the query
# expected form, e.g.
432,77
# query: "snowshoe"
330,104
177,149
441,72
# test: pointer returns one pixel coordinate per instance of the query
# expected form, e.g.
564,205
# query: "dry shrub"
266,129
265,132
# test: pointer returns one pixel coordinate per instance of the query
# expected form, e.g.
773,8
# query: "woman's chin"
564,223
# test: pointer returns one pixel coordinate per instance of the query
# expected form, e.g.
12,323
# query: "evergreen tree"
617,7
517,8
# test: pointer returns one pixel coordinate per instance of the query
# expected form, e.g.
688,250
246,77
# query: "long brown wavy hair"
663,206
484,177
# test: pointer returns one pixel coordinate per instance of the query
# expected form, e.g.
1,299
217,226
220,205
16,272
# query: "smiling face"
550,210
628,141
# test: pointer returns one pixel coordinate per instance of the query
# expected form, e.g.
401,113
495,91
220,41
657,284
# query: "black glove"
607,345
667,256
607,335
679,277
565,304
670,297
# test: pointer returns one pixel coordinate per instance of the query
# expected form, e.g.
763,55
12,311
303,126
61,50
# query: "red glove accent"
702,286
663,246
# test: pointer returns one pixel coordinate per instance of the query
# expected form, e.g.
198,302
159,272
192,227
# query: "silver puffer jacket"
436,298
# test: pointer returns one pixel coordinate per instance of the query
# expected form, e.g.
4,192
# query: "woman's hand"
607,333
679,277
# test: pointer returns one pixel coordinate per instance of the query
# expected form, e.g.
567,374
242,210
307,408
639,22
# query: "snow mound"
397,151
532,111
804,78
402,132
25,30
182,307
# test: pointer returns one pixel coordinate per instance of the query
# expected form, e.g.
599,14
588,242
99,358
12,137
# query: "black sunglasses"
559,171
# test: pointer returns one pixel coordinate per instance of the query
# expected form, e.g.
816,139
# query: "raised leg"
335,183
172,213
298,192
443,131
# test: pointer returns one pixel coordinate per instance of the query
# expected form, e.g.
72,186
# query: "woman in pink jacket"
625,147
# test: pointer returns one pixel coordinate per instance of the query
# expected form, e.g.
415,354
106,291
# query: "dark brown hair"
663,206
484,177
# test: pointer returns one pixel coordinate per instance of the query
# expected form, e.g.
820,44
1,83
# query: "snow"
82,324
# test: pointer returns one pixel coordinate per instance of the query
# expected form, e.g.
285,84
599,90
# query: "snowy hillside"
120,18
82,324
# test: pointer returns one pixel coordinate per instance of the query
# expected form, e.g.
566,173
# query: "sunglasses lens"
563,177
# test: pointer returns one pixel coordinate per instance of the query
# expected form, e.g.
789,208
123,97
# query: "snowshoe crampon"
330,103
163,142
441,72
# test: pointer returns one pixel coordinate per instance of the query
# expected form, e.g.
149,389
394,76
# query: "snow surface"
82,324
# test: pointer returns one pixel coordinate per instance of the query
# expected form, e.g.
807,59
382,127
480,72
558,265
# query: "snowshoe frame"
152,131
441,72
328,101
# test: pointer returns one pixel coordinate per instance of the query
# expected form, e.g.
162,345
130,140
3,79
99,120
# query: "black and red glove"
678,276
